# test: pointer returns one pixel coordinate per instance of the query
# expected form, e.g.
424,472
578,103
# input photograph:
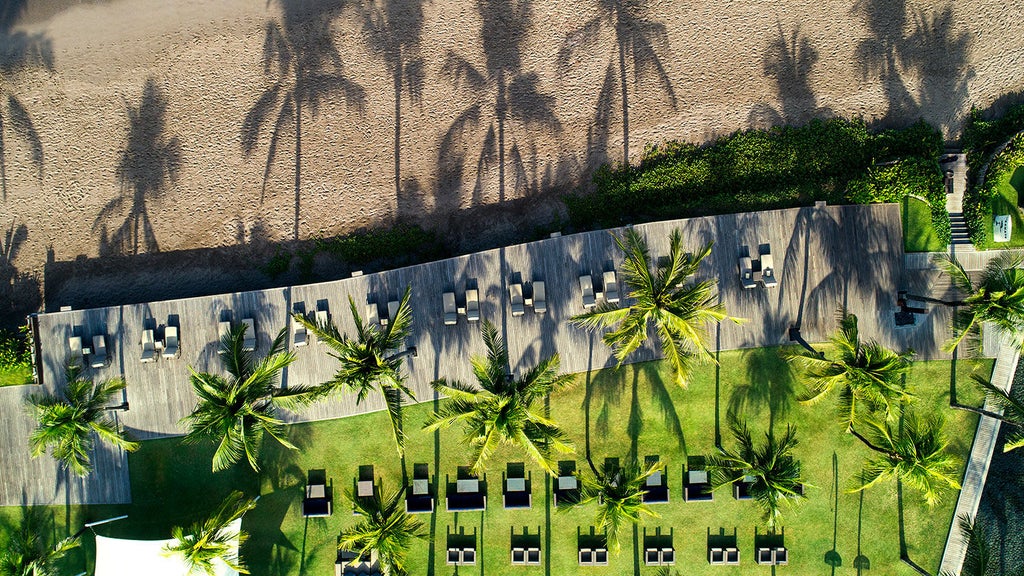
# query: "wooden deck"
826,257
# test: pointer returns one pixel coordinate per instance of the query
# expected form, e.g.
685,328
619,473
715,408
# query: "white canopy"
120,557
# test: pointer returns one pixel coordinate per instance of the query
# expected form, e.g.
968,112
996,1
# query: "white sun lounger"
322,318
587,288
224,329
768,269
611,287
472,305
515,292
393,309
540,303
75,346
99,351
747,273
451,316
148,346
170,341
249,341
373,314
298,333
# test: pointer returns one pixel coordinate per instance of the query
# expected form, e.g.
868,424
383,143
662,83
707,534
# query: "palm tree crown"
370,362
66,424
1012,412
25,552
238,410
665,296
502,409
770,469
205,543
914,452
866,375
618,490
997,298
385,528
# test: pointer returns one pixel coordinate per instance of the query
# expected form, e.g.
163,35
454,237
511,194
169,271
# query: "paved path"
985,439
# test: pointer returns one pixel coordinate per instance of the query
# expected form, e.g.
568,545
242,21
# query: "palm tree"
979,551
865,375
618,490
385,528
66,424
912,451
998,297
664,296
238,410
204,545
371,362
773,473
25,552
501,409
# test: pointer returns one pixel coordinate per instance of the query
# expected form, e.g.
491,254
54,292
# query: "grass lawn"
615,411
918,233
1009,186
16,376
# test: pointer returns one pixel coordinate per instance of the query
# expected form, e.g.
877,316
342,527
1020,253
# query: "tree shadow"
304,69
392,29
638,40
149,163
494,132
20,292
19,51
789,62
934,50
769,385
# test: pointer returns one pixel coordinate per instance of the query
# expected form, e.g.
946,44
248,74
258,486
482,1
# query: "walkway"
985,439
826,257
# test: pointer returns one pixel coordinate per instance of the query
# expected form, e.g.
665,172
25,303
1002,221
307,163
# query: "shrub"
400,244
907,177
980,138
14,349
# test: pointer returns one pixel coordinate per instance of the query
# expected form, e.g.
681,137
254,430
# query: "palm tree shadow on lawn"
607,388
770,385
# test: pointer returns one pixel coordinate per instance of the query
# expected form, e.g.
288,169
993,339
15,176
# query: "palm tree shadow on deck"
305,69
149,162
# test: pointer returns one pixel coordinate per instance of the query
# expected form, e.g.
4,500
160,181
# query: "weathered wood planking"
826,258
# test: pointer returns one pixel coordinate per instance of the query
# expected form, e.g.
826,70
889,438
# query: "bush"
404,244
908,177
750,170
980,138
14,350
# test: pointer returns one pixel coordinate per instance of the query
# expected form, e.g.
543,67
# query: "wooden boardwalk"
826,257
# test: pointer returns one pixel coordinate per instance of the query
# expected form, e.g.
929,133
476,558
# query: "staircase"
958,227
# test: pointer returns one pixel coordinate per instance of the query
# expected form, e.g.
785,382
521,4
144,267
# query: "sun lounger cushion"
587,288
540,302
747,273
515,292
393,309
768,275
223,329
611,287
372,314
249,342
472,305
298,333
170,342
451,316
148,346
99,351
75,345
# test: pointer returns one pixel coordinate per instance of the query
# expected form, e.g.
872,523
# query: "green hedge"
980,138
981,206
751,170
400,244
15,357
915,177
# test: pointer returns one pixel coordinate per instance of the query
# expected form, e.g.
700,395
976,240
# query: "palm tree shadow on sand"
304,69
19,51
149,162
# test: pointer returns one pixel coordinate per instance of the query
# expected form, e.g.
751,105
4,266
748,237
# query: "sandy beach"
136,126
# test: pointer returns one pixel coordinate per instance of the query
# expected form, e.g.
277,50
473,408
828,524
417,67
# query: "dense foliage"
981,137
758,169
893,182
981,195
14,349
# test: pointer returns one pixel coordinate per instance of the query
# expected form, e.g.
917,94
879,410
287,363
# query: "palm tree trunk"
950,303
868,443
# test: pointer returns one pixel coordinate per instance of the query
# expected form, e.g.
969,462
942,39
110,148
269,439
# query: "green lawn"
918,233
615,411
1009,187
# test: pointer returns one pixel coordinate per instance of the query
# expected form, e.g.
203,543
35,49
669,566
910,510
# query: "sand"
136,126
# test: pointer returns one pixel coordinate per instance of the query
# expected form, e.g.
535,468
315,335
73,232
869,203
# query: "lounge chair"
99,351
768,277
586,557
451,316
148,346
322,317
472,305
75,346
419,498
781,556
567,486
697,486
393,309
298,333
171,342
465,494
515,292
249,341
540,302
317,503
587,288
223,329
747,273
611,287
373,314
518,490
765,556
732,556
656,488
